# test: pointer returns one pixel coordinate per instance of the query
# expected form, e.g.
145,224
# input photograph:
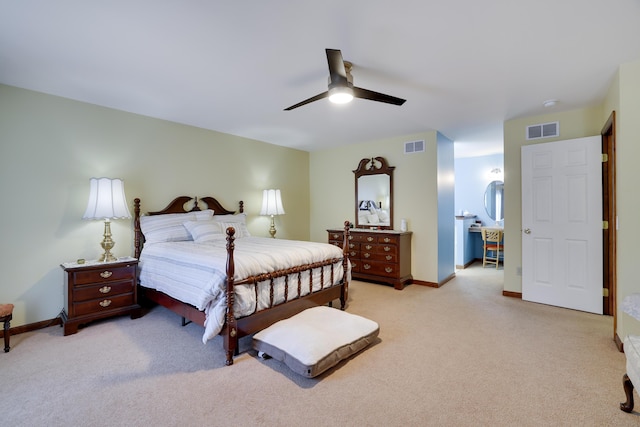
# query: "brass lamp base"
107,244
272,229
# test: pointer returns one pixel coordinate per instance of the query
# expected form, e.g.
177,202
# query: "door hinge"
605,157
605,292
605,225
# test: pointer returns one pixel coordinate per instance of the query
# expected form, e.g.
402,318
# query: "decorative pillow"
237,221
383,216
316,339
241,229
204,231
168,227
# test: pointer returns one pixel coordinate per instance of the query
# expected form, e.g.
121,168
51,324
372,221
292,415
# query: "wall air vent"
543,130
413,147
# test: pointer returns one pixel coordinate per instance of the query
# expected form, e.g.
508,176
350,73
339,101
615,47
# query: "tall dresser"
378,255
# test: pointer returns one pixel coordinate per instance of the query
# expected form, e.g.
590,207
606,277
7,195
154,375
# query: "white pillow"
168,227
383,216
205,231
241,229
373,219
231,218
362,219
237,221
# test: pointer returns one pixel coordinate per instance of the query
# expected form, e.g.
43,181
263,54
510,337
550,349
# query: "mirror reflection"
494,200
374,194
373,200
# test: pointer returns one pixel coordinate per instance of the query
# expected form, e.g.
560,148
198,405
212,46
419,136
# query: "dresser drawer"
388,240
103,290
379,268
336,236
378,249
105,274
105,304
377,256
365,238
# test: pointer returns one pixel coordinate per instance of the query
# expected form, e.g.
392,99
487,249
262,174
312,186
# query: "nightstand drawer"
103,290
105,274
104,304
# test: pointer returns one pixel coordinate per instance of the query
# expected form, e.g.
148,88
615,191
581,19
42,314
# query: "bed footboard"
237,328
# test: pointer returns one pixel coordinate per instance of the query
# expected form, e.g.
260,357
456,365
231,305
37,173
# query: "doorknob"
527,231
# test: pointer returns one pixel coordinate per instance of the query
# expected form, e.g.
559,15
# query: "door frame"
609,214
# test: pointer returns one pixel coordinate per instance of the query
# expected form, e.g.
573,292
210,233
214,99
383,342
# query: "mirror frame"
374,166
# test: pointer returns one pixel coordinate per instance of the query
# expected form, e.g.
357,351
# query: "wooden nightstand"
98,290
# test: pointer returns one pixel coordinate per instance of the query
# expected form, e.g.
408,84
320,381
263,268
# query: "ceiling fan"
341,89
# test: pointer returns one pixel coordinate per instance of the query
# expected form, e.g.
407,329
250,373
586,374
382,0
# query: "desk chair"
492,246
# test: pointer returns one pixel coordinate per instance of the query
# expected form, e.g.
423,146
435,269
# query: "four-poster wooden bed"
307,295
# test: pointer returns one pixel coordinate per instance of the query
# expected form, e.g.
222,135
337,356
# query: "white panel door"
562,224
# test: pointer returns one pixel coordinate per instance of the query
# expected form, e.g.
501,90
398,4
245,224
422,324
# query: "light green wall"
415,193
625,95
51,146
573,124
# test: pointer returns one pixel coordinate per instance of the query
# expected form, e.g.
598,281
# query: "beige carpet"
461,355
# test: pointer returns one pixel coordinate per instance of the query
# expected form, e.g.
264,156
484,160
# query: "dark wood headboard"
178,205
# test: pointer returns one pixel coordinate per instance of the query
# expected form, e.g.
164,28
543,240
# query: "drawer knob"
387,248
336,236
106,274
368,247
369,239
105,289
367,254
105,303
388,257
388,269
351,246
352,253
366,266
387,240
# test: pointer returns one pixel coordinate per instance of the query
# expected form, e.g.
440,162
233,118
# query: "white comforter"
195,273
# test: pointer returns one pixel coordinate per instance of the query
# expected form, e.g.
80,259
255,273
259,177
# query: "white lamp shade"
106,199
271,203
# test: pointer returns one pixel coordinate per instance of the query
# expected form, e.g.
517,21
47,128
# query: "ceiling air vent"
543,130
413,147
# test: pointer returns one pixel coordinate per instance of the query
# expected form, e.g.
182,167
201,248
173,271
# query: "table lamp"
106,202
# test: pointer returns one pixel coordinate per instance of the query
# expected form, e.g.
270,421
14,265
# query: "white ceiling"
464,66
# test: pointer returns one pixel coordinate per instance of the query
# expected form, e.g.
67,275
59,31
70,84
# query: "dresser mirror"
374,194
494,200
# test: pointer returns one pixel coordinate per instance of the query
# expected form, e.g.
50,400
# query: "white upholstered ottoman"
632,377
316,339
631,306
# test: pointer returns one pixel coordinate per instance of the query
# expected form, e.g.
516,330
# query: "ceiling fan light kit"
340,95
341,89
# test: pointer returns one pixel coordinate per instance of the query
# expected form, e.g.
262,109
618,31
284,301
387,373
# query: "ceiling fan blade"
307,101
358,92
337,72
